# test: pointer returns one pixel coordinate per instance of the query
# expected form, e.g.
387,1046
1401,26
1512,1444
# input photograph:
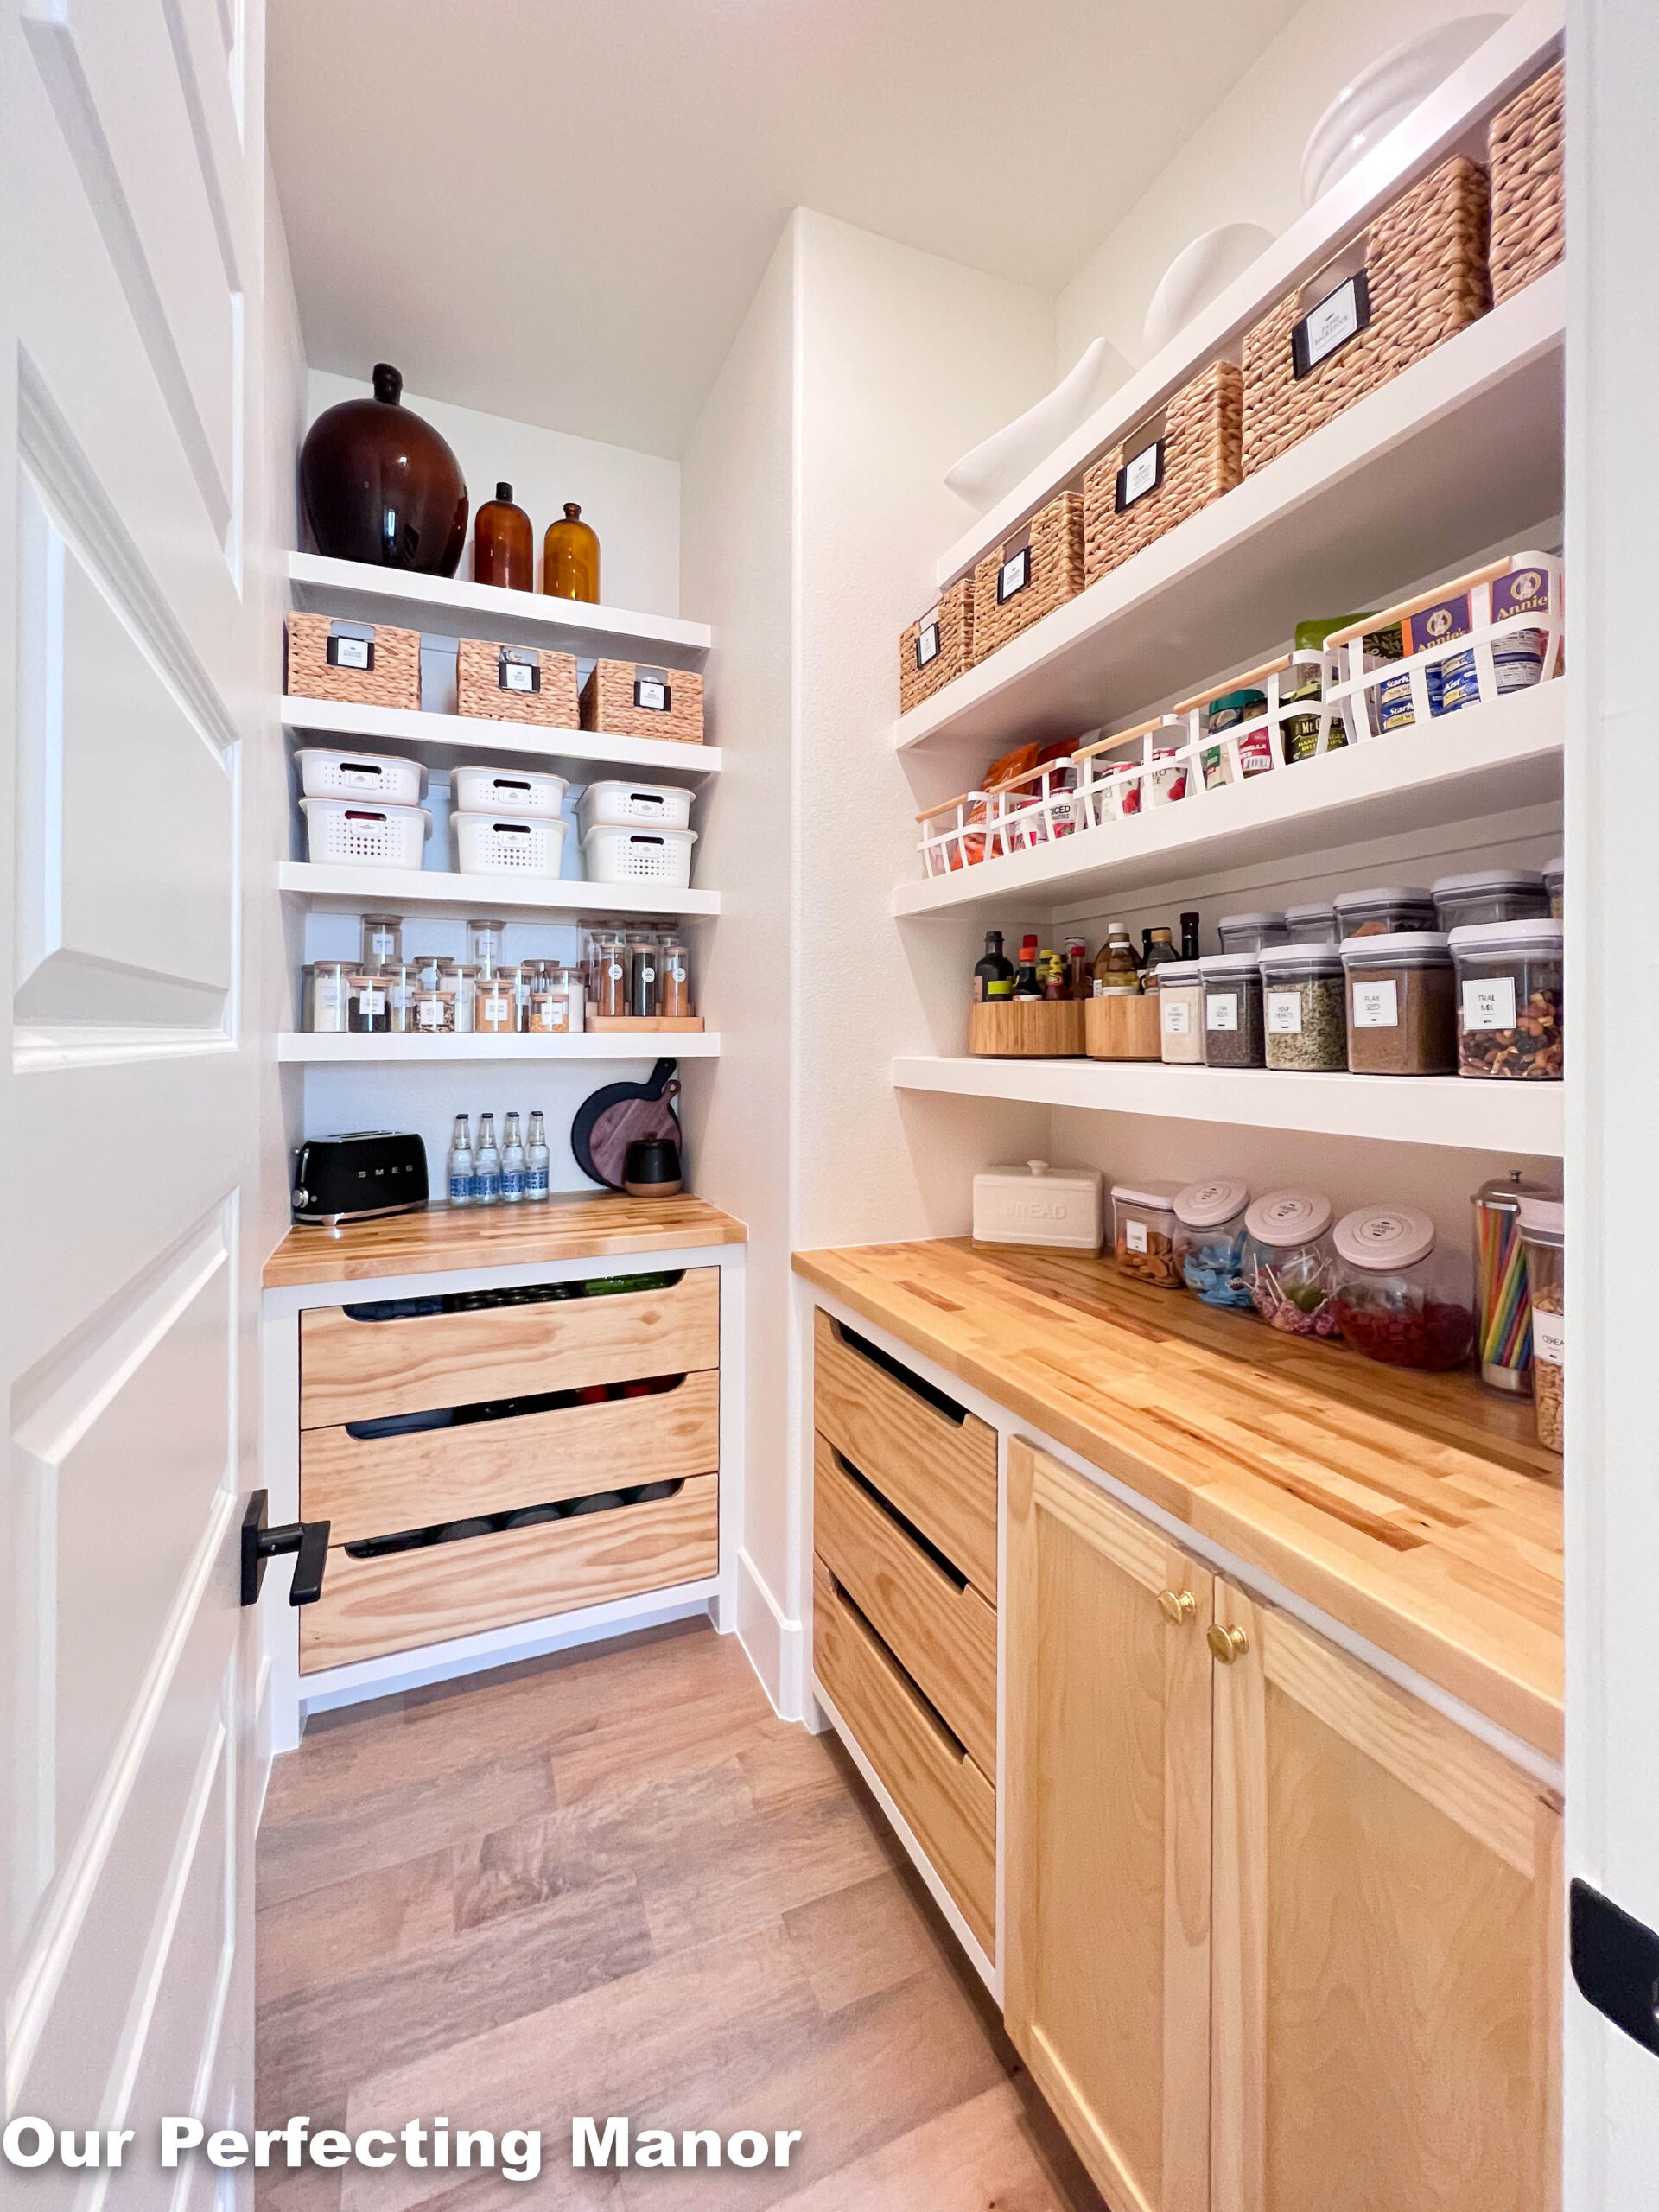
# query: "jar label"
1013,574
1221,1010
1134,1236
927,644
1376,1006
1142,474
1284,1013
1489,1004
517,671
1175,1016
1549,1338
383,945
370,1001
430,1014
498,1012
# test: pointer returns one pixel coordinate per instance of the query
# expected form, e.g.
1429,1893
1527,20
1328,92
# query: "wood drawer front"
940,1473
373,1486
949,1805
372,1605
365,1370
942,1635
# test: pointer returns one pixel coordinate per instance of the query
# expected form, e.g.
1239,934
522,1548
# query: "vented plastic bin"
508,790
615,854
326,773
363,835
508,844
613,805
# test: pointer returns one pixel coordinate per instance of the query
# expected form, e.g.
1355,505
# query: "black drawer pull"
543,1402
518,1516
531,1294
889,1365
901,1521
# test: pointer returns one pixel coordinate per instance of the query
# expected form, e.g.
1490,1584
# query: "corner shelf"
304,1048
439,740
326,889
1510,1117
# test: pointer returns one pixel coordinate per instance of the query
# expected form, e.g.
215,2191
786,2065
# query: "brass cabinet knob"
1179,1607
1227,1643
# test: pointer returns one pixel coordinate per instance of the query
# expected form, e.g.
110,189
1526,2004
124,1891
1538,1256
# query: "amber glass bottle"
570,557
503,545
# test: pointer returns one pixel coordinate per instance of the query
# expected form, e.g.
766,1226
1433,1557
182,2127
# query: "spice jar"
495,1005
1180,1013
382,942
432,1013
1402,1005
1542,1231
548,1008
1232,1010
1490,894
642,978
1509,1000
1209,1239
610,978
1398,1299
1314,923
327,992
1290,1262
1554,883
400,980
1390,911
367,1012
1303,1008
1143,1232
486,941
1249,932
676,965
459,979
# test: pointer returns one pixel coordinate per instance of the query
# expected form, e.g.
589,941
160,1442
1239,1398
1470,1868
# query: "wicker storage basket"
370,664
1425,276
627,698
515,684
1194,458
1529,205
1043,1029
1036,570
937,647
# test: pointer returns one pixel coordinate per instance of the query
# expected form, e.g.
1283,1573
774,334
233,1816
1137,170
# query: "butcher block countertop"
440,1237
1416,1510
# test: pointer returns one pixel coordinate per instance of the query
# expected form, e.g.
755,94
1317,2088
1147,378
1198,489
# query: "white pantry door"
132,206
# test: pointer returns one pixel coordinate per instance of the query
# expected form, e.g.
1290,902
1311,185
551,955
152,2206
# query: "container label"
1376,1006
370,1001
1549,1338
1175,1016
1221,1009
382,944
518,670
1327,328
1284,1013
461,1189
927,644
430,1013
1490,1004
535,1183
351,652
1134,1236
1013,574
1142,474
654,693
497,1010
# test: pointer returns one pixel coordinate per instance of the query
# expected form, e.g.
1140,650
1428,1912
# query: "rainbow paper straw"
1505,1310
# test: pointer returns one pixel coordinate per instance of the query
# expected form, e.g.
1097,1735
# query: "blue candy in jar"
1209,1241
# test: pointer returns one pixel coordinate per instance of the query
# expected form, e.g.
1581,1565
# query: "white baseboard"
773,1642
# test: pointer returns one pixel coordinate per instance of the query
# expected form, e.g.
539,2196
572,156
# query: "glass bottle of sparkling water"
461,1163
535,1159
513,1163
487,1165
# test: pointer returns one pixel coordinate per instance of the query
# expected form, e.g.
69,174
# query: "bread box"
1059,1207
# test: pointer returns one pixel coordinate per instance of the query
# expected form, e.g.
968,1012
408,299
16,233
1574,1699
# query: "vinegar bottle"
503,545
487,1165
535,1159
460,1163
513,1163
570,557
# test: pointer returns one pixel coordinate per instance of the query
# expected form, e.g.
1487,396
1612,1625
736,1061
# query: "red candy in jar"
1399,1300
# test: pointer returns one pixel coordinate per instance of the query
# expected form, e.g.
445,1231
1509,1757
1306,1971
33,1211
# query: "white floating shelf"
1513,1118
440,739
302,1047
427,891
1461,450
447,607
1484,760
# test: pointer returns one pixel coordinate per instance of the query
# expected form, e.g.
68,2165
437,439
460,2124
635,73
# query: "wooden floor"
615,1882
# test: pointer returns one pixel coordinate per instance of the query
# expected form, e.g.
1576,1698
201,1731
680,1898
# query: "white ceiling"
559,210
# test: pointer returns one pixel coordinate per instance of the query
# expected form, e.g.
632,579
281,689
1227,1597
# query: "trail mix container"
1289,1265
1313,924
432,1013
1232,1010
1249,932
1554,883
1509,1004
1180,1013
1401,1299
1389,910
1542,1231
1304,1008
1402,1005
1143,1232
1490,894
1209,1239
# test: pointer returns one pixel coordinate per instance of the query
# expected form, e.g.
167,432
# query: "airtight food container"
1290,1262
1209,1239
1554,883
1490,894
1389,910
1143,1232
1180,1012
1304,1022
1401,1004
1233,1009
1543,1233
1313,924
1509,999
1399,1299
1249,932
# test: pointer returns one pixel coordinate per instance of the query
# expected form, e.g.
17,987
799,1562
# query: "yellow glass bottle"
570,558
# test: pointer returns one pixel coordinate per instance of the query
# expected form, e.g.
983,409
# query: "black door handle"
309,1538
1615,1963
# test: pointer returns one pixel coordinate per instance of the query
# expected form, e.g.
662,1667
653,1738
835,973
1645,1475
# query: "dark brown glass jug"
570,557
503,545
377,483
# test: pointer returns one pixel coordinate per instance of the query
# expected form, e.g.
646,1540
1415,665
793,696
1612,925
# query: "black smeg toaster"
358,1173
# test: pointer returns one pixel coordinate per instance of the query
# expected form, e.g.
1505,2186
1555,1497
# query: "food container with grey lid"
1143,1232
1554,883
1391,910
1490,894
1304,1008
1403,1016
1233,1009
1180,1013
1249,932
1510,999
1313,924
1209,1239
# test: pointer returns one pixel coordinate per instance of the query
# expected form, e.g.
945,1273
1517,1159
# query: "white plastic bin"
508,844
613,805
615,855
362,834
326,772
508,790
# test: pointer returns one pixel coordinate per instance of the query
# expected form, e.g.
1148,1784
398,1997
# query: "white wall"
632,499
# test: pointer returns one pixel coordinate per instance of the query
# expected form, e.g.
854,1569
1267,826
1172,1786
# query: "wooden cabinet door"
1386,1996
1107,1783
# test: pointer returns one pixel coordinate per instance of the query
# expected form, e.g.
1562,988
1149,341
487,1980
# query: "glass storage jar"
1290,1262
460,978
401,981
675,965
610,993
1393,910
1554,883
1143,1232
1502,1308
1543,1233
1509,1004
643,1003
432,1012
1490,894
495,1005
1232,1010
1303,1009
1399,1299
1180,1013
1249,932
1314,923
486,944
1209,1239
367,1014
548,1009
382,942
328,994
1402,1005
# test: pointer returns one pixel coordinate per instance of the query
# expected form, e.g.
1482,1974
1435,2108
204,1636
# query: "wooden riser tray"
1123,1029
626,1024
1043,1029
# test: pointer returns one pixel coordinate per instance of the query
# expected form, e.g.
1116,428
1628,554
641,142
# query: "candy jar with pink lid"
1399,1299
1289,1264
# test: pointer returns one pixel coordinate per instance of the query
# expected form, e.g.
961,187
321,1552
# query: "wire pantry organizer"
366,835
506,844
615,854
1025,811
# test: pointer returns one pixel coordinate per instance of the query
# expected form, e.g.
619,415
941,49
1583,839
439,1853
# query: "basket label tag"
927,644
1376,1006
1013,574
351,652
653,692
1142,474
517,670
1324,330
1526,592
